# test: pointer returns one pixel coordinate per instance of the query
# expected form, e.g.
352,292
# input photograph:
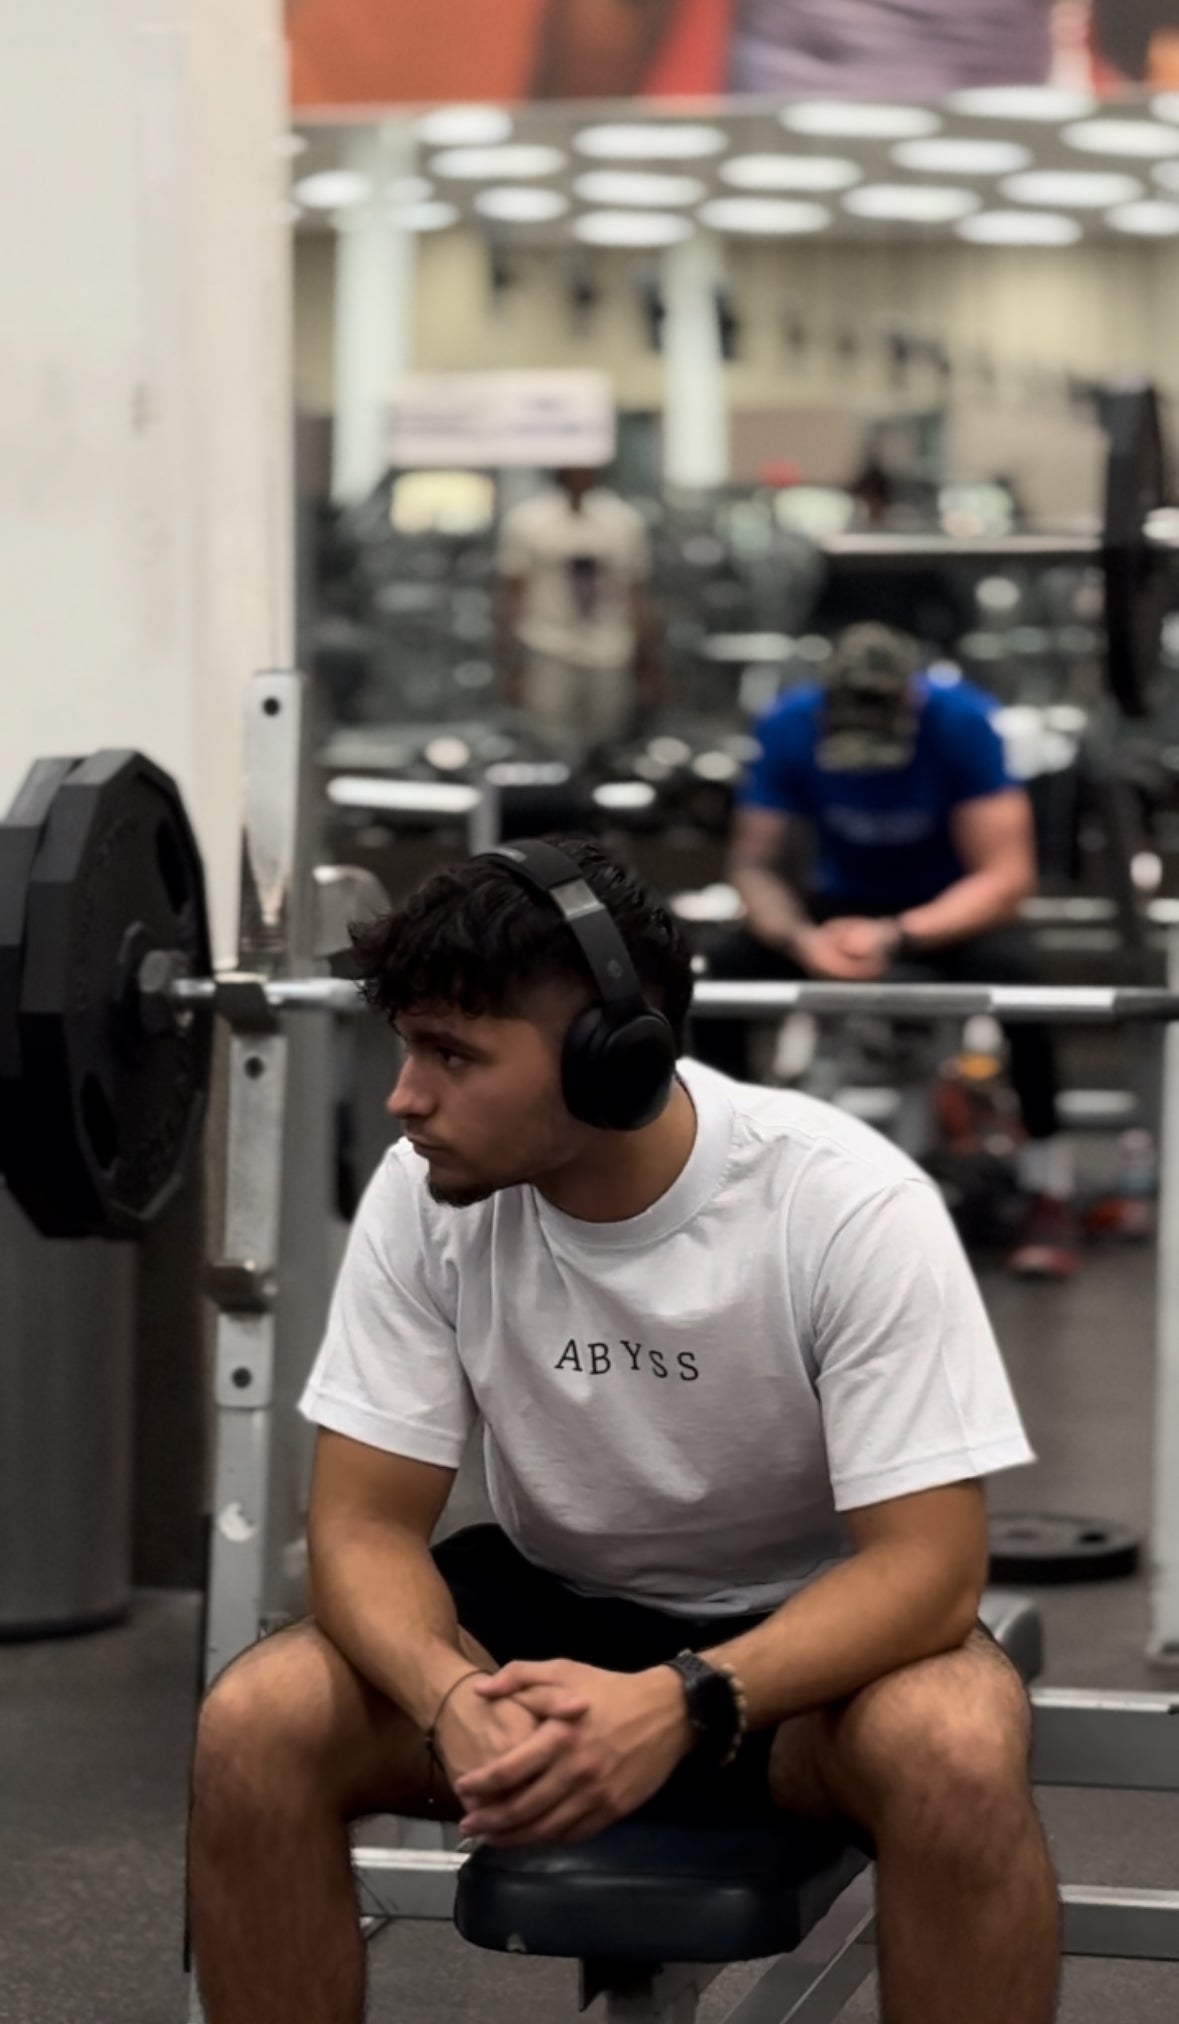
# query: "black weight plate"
1049,1548
111,1112
1138,585
20,833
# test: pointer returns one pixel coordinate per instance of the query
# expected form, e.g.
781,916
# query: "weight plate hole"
272,706
241,1378
255,1066
98,1122
1093,1538
172,867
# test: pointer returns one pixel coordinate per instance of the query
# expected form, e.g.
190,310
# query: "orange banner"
349,54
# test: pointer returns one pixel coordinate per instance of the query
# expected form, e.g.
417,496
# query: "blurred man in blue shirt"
923,848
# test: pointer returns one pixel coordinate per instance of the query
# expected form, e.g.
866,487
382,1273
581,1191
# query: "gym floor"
94,1736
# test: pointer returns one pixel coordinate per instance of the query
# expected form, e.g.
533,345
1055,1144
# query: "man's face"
575,482
482,1098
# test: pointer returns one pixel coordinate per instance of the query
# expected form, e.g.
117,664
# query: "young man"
738,1392
577,633
923,850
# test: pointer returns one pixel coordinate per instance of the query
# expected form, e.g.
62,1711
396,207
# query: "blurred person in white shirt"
578,634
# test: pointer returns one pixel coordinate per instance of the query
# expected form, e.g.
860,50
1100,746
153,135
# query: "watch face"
712,1710
717,1707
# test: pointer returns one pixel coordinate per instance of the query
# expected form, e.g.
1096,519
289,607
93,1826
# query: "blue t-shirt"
883,838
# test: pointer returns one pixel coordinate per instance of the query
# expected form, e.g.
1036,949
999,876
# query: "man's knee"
266,1718
937,1757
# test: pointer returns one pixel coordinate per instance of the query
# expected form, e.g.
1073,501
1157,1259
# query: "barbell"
108,996
1134,551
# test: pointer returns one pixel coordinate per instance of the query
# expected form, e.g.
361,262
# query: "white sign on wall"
489,420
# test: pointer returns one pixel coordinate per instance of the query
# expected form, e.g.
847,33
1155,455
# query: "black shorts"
519,1611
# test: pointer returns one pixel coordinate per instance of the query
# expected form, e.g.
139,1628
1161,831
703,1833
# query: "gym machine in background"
108,1004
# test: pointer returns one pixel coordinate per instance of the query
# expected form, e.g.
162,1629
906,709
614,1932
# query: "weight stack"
66,1418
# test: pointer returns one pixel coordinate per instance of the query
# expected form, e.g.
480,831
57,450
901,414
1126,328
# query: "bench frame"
1109,1742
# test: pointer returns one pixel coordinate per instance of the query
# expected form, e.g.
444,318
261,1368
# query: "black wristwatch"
716,1707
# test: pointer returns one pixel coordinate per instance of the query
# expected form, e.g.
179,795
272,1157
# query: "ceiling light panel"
465,126
852,120
1138,139
947,156
911,203
638,186
811,173
1154,218
1082,190
632,228
1020,101
768,217
1019,228
658,141
332,190
518,161
515,206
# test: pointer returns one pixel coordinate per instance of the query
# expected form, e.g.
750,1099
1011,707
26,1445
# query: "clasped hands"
849,950
554,1751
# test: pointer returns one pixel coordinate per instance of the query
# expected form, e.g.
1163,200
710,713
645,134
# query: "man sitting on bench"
923,848
739,1393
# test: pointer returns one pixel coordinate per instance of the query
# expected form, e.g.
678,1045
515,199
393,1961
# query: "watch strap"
717,1741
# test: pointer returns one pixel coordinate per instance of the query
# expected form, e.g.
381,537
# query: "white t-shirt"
677,1407
579,569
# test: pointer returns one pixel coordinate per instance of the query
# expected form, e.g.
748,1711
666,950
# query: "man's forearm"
774,913
885,1608
972,905
598,48
378,1596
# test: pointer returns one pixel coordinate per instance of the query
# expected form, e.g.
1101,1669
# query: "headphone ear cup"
617,1078
580,1058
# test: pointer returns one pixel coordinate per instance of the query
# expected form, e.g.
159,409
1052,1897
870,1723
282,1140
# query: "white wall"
1099,311
145,520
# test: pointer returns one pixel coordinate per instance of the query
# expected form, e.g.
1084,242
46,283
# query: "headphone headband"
550,872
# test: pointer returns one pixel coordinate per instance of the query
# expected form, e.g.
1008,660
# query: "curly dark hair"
473,937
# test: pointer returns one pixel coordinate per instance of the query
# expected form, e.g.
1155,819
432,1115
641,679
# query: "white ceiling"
539,180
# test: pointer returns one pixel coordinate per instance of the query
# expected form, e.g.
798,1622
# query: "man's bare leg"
934,1762
292,1745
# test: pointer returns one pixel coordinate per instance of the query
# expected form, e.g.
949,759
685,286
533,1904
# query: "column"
375,274
695,400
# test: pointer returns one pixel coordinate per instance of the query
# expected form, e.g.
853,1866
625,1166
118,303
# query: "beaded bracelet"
476,1672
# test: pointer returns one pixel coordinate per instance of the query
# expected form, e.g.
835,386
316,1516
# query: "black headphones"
618,1061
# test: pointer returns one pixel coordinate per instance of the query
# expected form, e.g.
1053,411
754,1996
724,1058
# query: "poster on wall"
490,421
351,53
